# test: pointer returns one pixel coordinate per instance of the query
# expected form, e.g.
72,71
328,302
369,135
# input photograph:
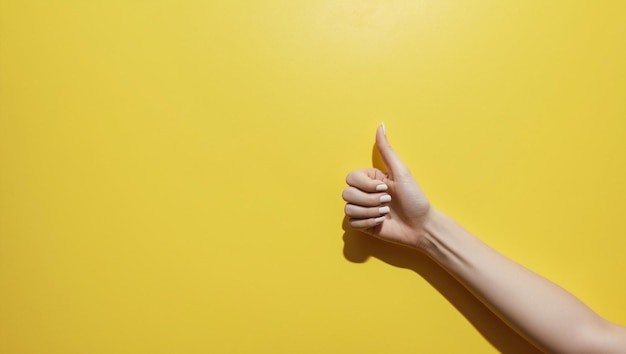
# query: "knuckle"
354,223
346,194
350,178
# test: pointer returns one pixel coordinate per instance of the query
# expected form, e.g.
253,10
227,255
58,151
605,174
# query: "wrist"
439,236
428,232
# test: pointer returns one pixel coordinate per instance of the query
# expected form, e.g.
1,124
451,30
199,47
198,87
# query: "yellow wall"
170,171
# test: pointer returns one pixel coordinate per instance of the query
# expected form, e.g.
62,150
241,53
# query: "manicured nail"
379,220
381,187
385,198
382,124
384,210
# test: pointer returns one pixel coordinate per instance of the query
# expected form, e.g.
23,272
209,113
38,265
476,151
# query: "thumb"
392,161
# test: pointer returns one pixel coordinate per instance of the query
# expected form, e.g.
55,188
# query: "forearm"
543,312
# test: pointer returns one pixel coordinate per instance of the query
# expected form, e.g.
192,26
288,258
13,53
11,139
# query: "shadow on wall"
358,247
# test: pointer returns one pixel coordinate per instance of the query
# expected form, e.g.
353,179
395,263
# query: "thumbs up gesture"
390,205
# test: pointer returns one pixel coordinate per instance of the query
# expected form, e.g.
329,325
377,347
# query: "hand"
391,205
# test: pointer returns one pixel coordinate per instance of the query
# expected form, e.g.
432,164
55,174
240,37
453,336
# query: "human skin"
391,206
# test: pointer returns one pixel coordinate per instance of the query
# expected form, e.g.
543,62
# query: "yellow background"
171,171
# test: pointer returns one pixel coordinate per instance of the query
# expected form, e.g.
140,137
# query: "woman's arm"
391,205
544,313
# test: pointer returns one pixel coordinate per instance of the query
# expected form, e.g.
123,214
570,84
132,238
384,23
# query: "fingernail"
384,210
382,124
385,198
381,187
379,220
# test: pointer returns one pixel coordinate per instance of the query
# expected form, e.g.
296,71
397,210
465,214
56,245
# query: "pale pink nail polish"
385,198
379,220
384,210
381,187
